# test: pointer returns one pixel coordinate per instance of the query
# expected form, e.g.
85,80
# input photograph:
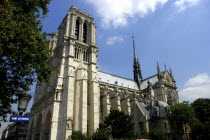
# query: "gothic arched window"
85,33
85,56
76,53
77,29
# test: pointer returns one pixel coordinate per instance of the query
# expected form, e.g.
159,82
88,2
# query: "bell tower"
78,80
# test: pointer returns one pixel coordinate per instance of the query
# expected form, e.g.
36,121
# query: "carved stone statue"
69,123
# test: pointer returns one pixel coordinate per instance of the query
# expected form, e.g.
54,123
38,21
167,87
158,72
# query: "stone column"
129,105
125,103
53,133
80,100
71,49
69,97
93,94
132,100
105,102
115,100
67,24
72,24
118,101
93,33
81,30
108,106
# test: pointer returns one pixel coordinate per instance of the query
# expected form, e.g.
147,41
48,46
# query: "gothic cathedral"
79,97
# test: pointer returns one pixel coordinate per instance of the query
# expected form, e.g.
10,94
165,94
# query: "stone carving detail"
71,73
69,123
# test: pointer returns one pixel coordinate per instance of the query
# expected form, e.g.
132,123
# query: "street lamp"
23,100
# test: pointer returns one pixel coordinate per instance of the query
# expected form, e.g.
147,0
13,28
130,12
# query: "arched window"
47,126
38,127
76,53
85,56
77,29
85,33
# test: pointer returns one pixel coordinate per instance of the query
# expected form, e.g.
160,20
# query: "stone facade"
79,97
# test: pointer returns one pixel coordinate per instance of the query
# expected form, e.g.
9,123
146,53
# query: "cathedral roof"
142,108
125,82
144,83
116,80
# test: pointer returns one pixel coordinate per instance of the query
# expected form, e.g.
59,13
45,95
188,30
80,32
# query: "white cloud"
113,39
202,78
193,93
196,87
183,4
117,12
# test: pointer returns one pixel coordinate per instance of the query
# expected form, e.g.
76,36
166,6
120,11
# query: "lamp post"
23,100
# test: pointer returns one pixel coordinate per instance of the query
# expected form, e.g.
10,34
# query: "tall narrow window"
77,30
85,56
141,126
85,33
76,53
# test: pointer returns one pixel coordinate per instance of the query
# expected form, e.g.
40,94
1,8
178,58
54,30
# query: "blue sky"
172,32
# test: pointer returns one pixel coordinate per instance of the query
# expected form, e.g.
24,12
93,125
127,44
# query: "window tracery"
85,56
76,53
85,33
77,29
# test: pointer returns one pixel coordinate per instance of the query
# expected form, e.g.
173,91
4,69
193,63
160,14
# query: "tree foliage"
101,134
201,129
153,134
24,49
118,124
202,109
182,115
78,135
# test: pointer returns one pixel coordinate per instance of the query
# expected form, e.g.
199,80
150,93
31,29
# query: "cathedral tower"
71,98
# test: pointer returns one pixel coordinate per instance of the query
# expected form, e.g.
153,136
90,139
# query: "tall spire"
158,69
136,66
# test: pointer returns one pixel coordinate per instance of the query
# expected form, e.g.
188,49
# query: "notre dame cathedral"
79,97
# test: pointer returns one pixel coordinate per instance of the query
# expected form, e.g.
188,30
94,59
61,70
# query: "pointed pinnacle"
158,68
171,74
165,66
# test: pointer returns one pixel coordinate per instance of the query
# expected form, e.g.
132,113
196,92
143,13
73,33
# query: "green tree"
119,125
182,115
24,49
157,134
101,134
202,109
78,135
201,129
153,134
